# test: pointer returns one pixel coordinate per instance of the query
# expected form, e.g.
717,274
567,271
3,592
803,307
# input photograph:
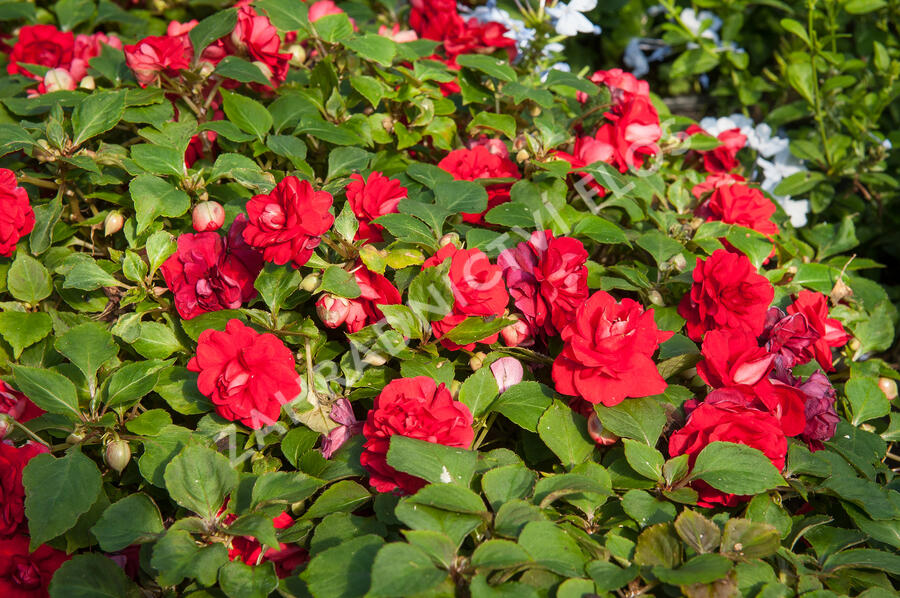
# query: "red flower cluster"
248,376
370,198
286,557
158,54
287,223
362,311
16,215
547,280
608,350
25,574
813,307
208,274
727,294
65,54
440,21
479,162
733,202
12,508
255,37
416,408
478,290
722,159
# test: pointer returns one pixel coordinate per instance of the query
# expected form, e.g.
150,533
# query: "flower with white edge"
569,20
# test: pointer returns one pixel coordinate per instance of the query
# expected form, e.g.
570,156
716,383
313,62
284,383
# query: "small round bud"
118,454
113,223
87,83
477,361
57,80
655,298
206,68
600,435
332,310
76,437
208,216
449,239
454,388
310,283
5,424
678,262
516,334
298,55
854,344
535,111
266,71
521,156
373,358
889,387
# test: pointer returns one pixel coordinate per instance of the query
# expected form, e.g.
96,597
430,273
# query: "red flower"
255,35
157,54
632,134
733,358
478,290
12,493
16,215
739,204
623,86
323,8
723,158
821,417
814,308
547,279
607,352
416,408
286,557
727,294
362,311
44,45
25,574
439,20
370,198
207,274
790,338
728,421
479,163
287,223
17,406
248,376
785,403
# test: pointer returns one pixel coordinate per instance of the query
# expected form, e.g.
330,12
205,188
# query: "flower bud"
373,358
87,83
889,387
332,310
310,282
516,334
655,298
477,361
266,71
113,223
57,80
678,262
206,68
298,55
454,388
118,454
76,437
854,344
521,156
449,239
598,433
5,425
208,216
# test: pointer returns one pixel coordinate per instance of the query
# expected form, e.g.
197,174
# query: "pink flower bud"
888,387
5,425
507,372
598,433
332,310
118,454
323,8
517,334
58,79
208,216
113,223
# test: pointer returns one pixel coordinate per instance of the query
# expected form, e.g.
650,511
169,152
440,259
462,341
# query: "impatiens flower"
416,408
607,352
26,574
157,54
480,163
789,338
88,47
632,133
723,158
727,294
16,215
57,80
286,557
400,36
439,20
478,290
783,402
208,273
814,307
248,376
495,146
44,45
287,223
370,198
17,406
12,494
341,413
256,37
733,358
728,421
741,204
362,311
507,371
323,8
821,417
547,279
623,87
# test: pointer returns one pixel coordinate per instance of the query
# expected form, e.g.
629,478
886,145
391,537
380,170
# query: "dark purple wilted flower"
821,417
789,337
341,413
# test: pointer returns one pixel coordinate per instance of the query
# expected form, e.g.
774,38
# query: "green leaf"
703,568
160,245
284,14
344,496
149,423
154,197
403,570
865,558
131,382
642,419
88,346
461,196
97,113
694,62
502,123
343,571
697,531
608,576
85,274
525,403
860,7
219,24
199,479
565,433
430,295
133,520
600,230
339,282
176,556
404,320
507,483
46,217
551,547
433,462
47,389
333,28
290,147
276,283
746,539
475,328
497,68
801,76
243,170
247,113
479,391
376,48
13,138
92,576
657,545
238,580
255,525
22,329
406,228
866,399
736,469
644,459
57,493
283,487
159,452
157,341
28,280
659,245
178,387
238,69
499,554
647,510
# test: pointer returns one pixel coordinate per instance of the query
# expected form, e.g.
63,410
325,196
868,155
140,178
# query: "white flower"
568,18
783,165
694,22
